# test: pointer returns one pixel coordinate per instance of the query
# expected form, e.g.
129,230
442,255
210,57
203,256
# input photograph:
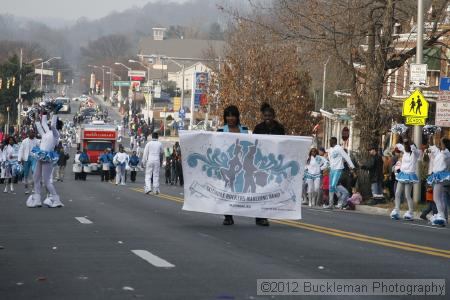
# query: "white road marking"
319,210
428,226
153,259
83,220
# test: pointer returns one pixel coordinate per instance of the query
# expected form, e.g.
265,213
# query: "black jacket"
63,157
375,167
276,129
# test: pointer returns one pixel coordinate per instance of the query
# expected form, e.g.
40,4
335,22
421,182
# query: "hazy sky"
69,9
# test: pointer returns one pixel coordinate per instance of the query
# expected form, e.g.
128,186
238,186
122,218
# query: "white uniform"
44,169
121,160
405,180
24,155
152,162
313,176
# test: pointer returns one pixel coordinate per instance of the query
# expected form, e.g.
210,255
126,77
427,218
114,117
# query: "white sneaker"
327,206
408,216
11,188
395,214
122,183
339,206
5,190
437,220
27,192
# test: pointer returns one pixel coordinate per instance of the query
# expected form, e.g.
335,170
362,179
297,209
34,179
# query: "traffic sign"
415,121
444,84
418,75
136,73
121,83
443,114
416,105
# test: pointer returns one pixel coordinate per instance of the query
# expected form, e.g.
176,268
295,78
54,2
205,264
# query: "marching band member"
25,158
314,165
9,160
152,162
121,160
405,179
46,158
336,156
439,176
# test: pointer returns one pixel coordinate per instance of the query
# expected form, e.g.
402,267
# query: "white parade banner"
243,174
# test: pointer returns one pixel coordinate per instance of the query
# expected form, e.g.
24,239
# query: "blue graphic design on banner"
241,174
243,166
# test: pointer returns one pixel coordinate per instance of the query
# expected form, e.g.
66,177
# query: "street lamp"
45,62
130,91
149,92
103,76
174,59
121,64
110,79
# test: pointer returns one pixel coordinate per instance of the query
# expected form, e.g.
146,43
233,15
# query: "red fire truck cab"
95,138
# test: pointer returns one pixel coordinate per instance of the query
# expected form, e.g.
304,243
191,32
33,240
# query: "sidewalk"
373,210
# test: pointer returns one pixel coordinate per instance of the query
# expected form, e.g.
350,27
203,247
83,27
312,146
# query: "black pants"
104,175
83,176
133,176
112,173
430,208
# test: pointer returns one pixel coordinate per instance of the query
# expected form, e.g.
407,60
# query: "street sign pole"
419,60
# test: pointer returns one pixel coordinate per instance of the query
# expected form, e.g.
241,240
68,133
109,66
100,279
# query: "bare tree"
359,35
261,68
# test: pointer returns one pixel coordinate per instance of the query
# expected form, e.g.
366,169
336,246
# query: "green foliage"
8,96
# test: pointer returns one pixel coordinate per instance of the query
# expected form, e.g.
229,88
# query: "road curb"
372,210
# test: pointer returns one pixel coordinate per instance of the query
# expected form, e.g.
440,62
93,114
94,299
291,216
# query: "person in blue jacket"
112,167
105,165
134,162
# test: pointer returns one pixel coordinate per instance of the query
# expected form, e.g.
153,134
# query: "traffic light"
7,83
13,81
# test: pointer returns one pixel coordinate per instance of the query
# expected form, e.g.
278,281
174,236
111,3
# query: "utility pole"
324,83
419,60
19,100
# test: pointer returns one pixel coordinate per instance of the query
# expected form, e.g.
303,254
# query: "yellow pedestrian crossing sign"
416,105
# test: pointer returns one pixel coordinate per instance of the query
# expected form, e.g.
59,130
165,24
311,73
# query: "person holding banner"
405,179
336,156
268,126
232,123
439,177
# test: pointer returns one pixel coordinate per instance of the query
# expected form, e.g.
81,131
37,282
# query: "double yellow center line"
341,233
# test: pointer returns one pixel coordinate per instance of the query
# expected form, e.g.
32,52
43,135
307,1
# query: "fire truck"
95,138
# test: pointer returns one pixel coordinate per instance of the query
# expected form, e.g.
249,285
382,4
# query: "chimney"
158,33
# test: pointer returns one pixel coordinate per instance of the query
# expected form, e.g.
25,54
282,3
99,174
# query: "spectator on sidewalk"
62,162
375,167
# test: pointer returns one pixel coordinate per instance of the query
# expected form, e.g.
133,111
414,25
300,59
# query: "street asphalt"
88,248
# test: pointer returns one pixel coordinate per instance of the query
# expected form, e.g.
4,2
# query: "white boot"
6,189
34,201
12,188
53,201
